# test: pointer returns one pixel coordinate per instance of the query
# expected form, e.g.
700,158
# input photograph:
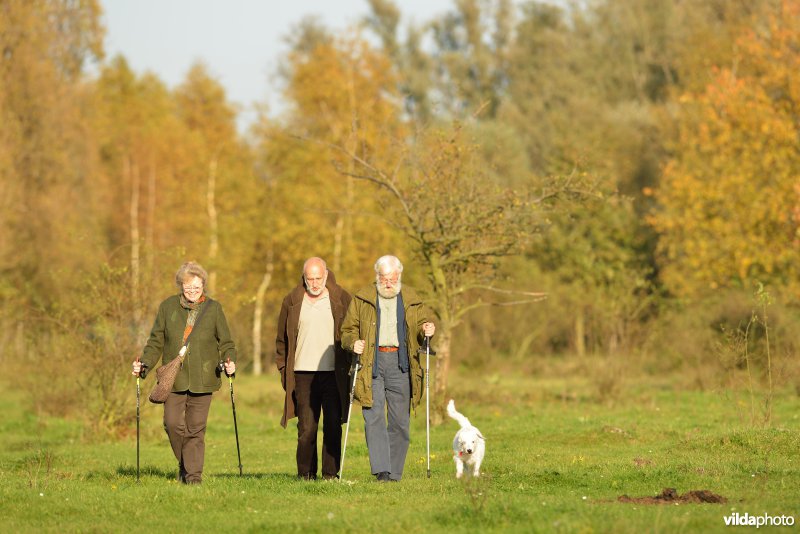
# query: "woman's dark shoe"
181,474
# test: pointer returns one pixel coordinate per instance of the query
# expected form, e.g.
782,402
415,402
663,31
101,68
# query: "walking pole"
138,396
353,372
428,401
235,426
428,353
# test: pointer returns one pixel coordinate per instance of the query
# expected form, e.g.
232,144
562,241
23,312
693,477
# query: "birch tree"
210,120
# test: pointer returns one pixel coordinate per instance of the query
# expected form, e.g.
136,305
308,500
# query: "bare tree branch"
489,252
461,224
482,304
369,215
464,289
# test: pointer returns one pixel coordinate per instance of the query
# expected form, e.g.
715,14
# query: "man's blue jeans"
387,441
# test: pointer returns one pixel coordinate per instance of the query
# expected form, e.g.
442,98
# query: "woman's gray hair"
390,263
190,269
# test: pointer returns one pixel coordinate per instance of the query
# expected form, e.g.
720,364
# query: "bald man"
314,367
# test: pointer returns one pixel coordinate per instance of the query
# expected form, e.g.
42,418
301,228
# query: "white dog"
469,445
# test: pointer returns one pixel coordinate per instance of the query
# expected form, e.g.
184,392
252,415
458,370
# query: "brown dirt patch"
670,496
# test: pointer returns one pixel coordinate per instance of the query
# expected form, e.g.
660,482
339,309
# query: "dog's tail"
451,411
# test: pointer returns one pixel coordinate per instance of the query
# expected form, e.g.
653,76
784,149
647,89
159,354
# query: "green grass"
557,461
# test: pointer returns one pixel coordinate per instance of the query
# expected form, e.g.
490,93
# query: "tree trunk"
19,342
151,218
132,172
341,238
258,313
213,246
337,243
613,344
348,221
580,334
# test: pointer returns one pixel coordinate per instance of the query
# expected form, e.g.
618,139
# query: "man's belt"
387,349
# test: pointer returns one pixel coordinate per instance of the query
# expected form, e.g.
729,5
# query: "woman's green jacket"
209,344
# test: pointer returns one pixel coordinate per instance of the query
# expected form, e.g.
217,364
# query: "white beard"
315,292
389,293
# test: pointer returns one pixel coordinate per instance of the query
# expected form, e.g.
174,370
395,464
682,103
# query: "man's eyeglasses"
192,289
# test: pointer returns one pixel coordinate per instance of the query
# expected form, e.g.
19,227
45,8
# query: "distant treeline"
635,160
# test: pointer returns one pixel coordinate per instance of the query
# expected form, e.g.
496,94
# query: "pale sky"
241,41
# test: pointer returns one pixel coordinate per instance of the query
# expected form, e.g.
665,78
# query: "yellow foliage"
344,102
728,200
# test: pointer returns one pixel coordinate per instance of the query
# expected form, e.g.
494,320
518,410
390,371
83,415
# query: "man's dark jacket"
286,344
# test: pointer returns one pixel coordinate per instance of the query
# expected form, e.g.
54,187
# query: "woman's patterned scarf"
194,309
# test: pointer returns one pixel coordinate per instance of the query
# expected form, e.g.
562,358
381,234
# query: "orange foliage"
729,197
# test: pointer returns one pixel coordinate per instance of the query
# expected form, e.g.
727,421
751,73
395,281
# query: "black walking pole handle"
355,364
426,347
221,368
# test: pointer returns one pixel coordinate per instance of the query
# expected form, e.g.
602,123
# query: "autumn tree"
45,154
598,271
210,123
560,91
459,225
342,95
140,145
338,92
728,200
53,231
455,222
414,66
472,45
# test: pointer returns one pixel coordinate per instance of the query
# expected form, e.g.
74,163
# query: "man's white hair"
388,263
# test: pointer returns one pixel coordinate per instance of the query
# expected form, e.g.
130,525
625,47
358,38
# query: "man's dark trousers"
315,392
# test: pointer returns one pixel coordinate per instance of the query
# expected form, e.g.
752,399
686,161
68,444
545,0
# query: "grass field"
557,461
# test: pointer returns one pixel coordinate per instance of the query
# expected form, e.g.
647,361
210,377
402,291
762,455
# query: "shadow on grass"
148,470
283,477
157,472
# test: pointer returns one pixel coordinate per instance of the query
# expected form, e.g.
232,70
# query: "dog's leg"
459,466
476,469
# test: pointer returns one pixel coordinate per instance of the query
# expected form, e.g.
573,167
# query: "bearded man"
314,367
385,325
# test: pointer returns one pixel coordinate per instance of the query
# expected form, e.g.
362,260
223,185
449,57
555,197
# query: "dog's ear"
480,435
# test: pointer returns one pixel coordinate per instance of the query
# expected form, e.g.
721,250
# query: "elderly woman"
186,408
